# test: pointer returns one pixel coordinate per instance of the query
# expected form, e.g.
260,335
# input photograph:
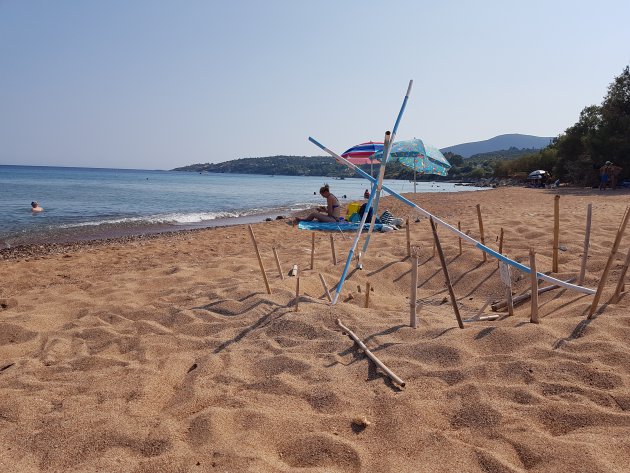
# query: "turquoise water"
85,203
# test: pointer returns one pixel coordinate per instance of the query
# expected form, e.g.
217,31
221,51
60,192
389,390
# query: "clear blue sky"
155,84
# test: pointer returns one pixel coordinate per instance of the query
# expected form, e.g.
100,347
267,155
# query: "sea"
91,204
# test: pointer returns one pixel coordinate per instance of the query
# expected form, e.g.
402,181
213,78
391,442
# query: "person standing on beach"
35,208
332,208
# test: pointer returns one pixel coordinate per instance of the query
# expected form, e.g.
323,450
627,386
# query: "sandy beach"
166,354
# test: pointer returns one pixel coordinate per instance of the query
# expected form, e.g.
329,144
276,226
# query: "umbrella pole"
464,236
414,173
386,150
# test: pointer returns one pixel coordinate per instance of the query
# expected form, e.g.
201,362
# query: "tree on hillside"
601,134
615,113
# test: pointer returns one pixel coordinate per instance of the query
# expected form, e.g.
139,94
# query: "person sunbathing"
330,213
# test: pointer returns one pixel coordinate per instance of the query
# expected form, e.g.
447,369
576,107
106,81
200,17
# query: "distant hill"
501,142
272,165
294,166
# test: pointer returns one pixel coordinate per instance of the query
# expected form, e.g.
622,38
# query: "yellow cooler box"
353,207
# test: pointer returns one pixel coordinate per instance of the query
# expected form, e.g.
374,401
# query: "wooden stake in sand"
332,248
370,355
613,252
408,238
622,279
367,294
297,293
321,278
446,276
506,278
534,279
413,297
500,246
313,251
556,232
275,255
262,268
482,239
459,227
587,237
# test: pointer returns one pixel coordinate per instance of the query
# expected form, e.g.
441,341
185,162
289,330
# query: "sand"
167,354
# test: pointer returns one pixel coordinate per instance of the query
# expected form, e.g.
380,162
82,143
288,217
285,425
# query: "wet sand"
165,353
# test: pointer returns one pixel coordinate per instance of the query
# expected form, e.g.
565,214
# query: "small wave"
172,218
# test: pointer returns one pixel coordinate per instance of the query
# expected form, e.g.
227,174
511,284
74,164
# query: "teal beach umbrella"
422,157
419,156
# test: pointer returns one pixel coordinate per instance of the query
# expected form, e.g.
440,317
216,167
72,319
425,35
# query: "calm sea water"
85,203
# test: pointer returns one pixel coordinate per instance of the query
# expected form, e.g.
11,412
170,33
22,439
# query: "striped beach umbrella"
361,153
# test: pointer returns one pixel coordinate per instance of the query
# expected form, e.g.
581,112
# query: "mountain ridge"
499,142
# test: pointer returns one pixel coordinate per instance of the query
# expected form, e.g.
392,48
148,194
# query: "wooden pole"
556,232
332,248
321,278
367,294
275,254
413,298
408,238
504,271
534,280
297,293
500,245
459,227
523,297
482,239
587,237
446,276
611,258
313,251
371,355
262,268
622,280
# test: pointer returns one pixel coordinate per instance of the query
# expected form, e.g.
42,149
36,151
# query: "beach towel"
341,226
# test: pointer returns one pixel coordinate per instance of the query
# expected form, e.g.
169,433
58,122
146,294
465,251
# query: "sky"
161,84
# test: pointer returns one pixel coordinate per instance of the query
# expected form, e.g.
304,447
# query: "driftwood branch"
525,297
371,355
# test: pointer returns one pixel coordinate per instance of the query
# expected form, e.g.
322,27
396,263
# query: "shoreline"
90,235
122,234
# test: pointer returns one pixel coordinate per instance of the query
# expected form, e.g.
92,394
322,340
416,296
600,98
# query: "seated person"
332,209
35,208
